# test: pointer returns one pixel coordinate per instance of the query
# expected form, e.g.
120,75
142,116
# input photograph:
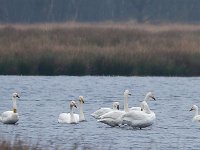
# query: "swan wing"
67,118
135,115
196,118
138,119
112,118
135,108
109,121
76,118
8,117
100,112
64,118
113,114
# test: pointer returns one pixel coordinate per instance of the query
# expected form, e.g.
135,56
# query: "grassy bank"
100,49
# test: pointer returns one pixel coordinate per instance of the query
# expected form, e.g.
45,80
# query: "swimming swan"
11,117
140,119
149,96
196,116
105,110
113,118
68,117
81,116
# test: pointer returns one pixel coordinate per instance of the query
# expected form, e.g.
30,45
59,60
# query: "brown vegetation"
100,49
16,145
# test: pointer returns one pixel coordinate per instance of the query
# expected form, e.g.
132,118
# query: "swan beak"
17,96
141,109
153,98
118,107
75,105
191,109
129,94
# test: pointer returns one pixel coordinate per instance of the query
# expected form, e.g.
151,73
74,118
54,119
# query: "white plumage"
196,116
68,117
140,119
113,118
11,117
80,117
105,110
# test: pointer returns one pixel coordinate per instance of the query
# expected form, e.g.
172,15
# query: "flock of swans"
140,117
136,117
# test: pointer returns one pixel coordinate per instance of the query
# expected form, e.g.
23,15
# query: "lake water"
43,98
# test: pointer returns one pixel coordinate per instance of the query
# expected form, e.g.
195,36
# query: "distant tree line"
33,11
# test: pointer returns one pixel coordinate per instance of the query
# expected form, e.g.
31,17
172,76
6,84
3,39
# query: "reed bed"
100,49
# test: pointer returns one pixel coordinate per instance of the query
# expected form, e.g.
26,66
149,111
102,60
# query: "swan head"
81,99
73,104
194,107
150,96
15,95
116,105
126,93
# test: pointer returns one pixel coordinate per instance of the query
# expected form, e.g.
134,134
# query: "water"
44,98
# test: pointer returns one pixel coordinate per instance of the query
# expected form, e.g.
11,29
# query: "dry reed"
100,49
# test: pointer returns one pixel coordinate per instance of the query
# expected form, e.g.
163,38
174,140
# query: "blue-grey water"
43,98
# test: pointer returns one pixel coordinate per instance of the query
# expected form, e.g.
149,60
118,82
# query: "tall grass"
100,49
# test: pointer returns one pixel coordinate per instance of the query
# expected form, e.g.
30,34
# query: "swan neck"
145,106
81,107
71,114
81,115
147,110
71,110
196,112
14,105
146,98
126,103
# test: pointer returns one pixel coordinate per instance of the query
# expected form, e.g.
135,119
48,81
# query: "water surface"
43,98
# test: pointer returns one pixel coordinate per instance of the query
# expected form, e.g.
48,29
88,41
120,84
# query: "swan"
68,117
196,116
105,110
140,119
149,96
80,116
113,118
11,117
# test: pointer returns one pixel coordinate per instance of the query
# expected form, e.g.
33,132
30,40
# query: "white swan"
68,117
149,96
196,116
140,119
105,110
80,116
113,118
11,117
